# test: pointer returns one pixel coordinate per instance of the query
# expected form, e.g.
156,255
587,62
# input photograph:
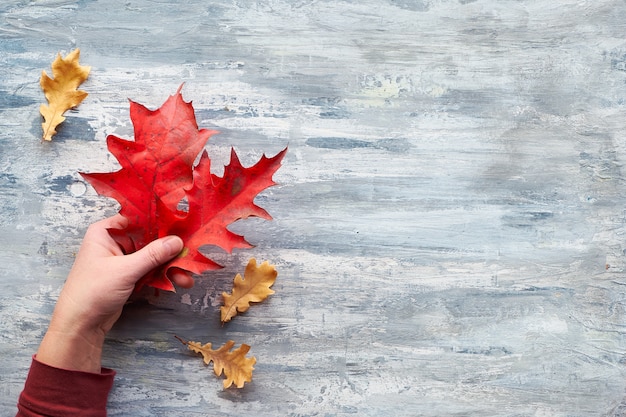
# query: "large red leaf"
157,174
215,202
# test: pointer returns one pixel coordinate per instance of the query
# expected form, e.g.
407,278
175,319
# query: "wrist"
72,347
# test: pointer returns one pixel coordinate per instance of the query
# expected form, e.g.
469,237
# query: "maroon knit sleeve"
50,391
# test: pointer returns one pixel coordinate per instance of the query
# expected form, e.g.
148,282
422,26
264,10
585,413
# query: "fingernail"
173,245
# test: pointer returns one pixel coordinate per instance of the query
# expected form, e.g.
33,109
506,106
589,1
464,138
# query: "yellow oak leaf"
255,287
236,366
62,92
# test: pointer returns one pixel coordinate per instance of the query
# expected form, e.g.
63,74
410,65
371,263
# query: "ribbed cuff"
51,391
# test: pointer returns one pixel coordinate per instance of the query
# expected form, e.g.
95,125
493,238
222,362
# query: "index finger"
116,221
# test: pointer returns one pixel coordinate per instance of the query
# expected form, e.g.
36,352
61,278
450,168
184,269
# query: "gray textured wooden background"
449,228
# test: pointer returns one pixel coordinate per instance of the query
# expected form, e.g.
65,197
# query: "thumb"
154,254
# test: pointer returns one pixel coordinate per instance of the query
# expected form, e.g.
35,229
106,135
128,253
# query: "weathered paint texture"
449,227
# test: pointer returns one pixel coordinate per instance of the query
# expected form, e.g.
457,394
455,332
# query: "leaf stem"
181,340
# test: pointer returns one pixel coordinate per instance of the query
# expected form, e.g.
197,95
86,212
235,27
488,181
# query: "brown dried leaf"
61,92
253,289
236,367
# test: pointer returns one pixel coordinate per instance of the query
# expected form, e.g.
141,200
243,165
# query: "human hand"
95,292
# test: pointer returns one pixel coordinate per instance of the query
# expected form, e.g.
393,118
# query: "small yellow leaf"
236,367
62,92
255,287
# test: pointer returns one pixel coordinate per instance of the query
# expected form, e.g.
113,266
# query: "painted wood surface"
449,227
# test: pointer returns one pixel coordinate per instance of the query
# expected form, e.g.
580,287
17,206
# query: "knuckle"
154,256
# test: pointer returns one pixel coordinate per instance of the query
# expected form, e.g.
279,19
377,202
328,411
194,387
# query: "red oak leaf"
215,202
157,174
